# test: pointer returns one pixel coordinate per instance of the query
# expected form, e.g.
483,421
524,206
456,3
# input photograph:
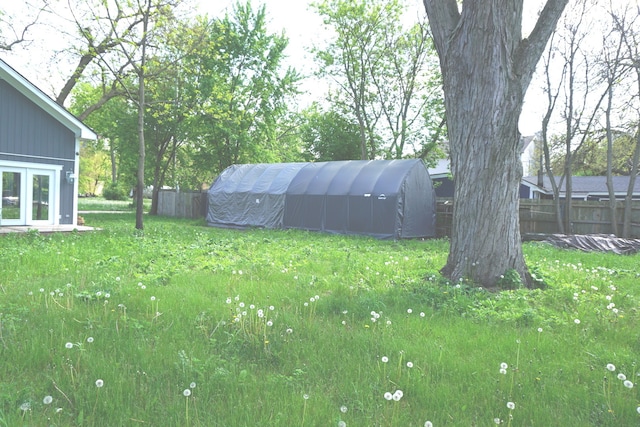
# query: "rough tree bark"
486,68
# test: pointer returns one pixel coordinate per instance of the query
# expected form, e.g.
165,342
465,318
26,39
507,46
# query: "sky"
295,17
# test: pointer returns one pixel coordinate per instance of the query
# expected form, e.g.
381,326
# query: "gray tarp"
595,243
382,198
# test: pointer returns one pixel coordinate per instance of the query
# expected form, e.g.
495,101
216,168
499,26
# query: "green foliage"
329,135
591,159
260,319
241,88
387,76
115,191
510,280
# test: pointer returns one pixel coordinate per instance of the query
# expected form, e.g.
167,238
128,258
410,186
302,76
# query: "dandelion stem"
186,411
304,411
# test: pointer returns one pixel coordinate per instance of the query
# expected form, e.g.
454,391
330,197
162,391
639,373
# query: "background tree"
382,74
570,87
591,87
402,89
14,31
625,22
486,67
242,91
329,135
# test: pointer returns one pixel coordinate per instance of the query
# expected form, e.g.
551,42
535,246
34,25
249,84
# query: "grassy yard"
100,204
185,325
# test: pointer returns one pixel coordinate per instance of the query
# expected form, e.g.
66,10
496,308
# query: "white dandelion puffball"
628,384
503,365
342,424
409,364
343,409
186,392
305,396
409,311
99,383
539,329
611,367
47,400
192,385
622,376
576,321
388,396
511,405
69,345
384,359
90,340
428,424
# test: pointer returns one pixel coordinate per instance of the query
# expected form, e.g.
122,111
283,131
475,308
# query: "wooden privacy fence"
539,217
182,204
536,216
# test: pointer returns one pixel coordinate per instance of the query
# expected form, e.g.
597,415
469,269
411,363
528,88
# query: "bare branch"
531,48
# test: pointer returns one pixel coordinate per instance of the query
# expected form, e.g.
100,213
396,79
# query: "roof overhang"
37,96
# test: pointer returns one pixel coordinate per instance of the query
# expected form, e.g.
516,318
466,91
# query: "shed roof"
37,96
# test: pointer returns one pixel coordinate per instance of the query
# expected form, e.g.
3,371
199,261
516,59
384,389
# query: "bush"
115,192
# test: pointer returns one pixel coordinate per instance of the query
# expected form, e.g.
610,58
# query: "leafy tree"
115,124
242,91
381,72
486,66
329,135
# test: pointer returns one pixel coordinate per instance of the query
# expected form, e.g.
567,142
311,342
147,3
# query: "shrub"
115,192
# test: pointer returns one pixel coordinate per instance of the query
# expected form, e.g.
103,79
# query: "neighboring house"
582,188
39,155
530,162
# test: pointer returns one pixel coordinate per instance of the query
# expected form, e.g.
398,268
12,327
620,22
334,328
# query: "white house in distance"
39,155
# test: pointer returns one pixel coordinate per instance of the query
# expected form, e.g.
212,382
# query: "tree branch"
531,48
444,17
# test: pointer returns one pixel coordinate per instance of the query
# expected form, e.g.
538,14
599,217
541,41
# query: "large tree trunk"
486,69
485,154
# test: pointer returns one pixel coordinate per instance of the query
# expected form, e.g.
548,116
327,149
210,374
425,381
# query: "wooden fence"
536,216
539,217
182,204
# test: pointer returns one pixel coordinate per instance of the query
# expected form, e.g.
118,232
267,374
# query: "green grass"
101,204
165,308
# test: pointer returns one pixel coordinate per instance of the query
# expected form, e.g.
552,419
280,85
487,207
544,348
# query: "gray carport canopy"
381,198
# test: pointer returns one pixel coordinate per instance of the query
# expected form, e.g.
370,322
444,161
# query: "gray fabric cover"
595,243
381,198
